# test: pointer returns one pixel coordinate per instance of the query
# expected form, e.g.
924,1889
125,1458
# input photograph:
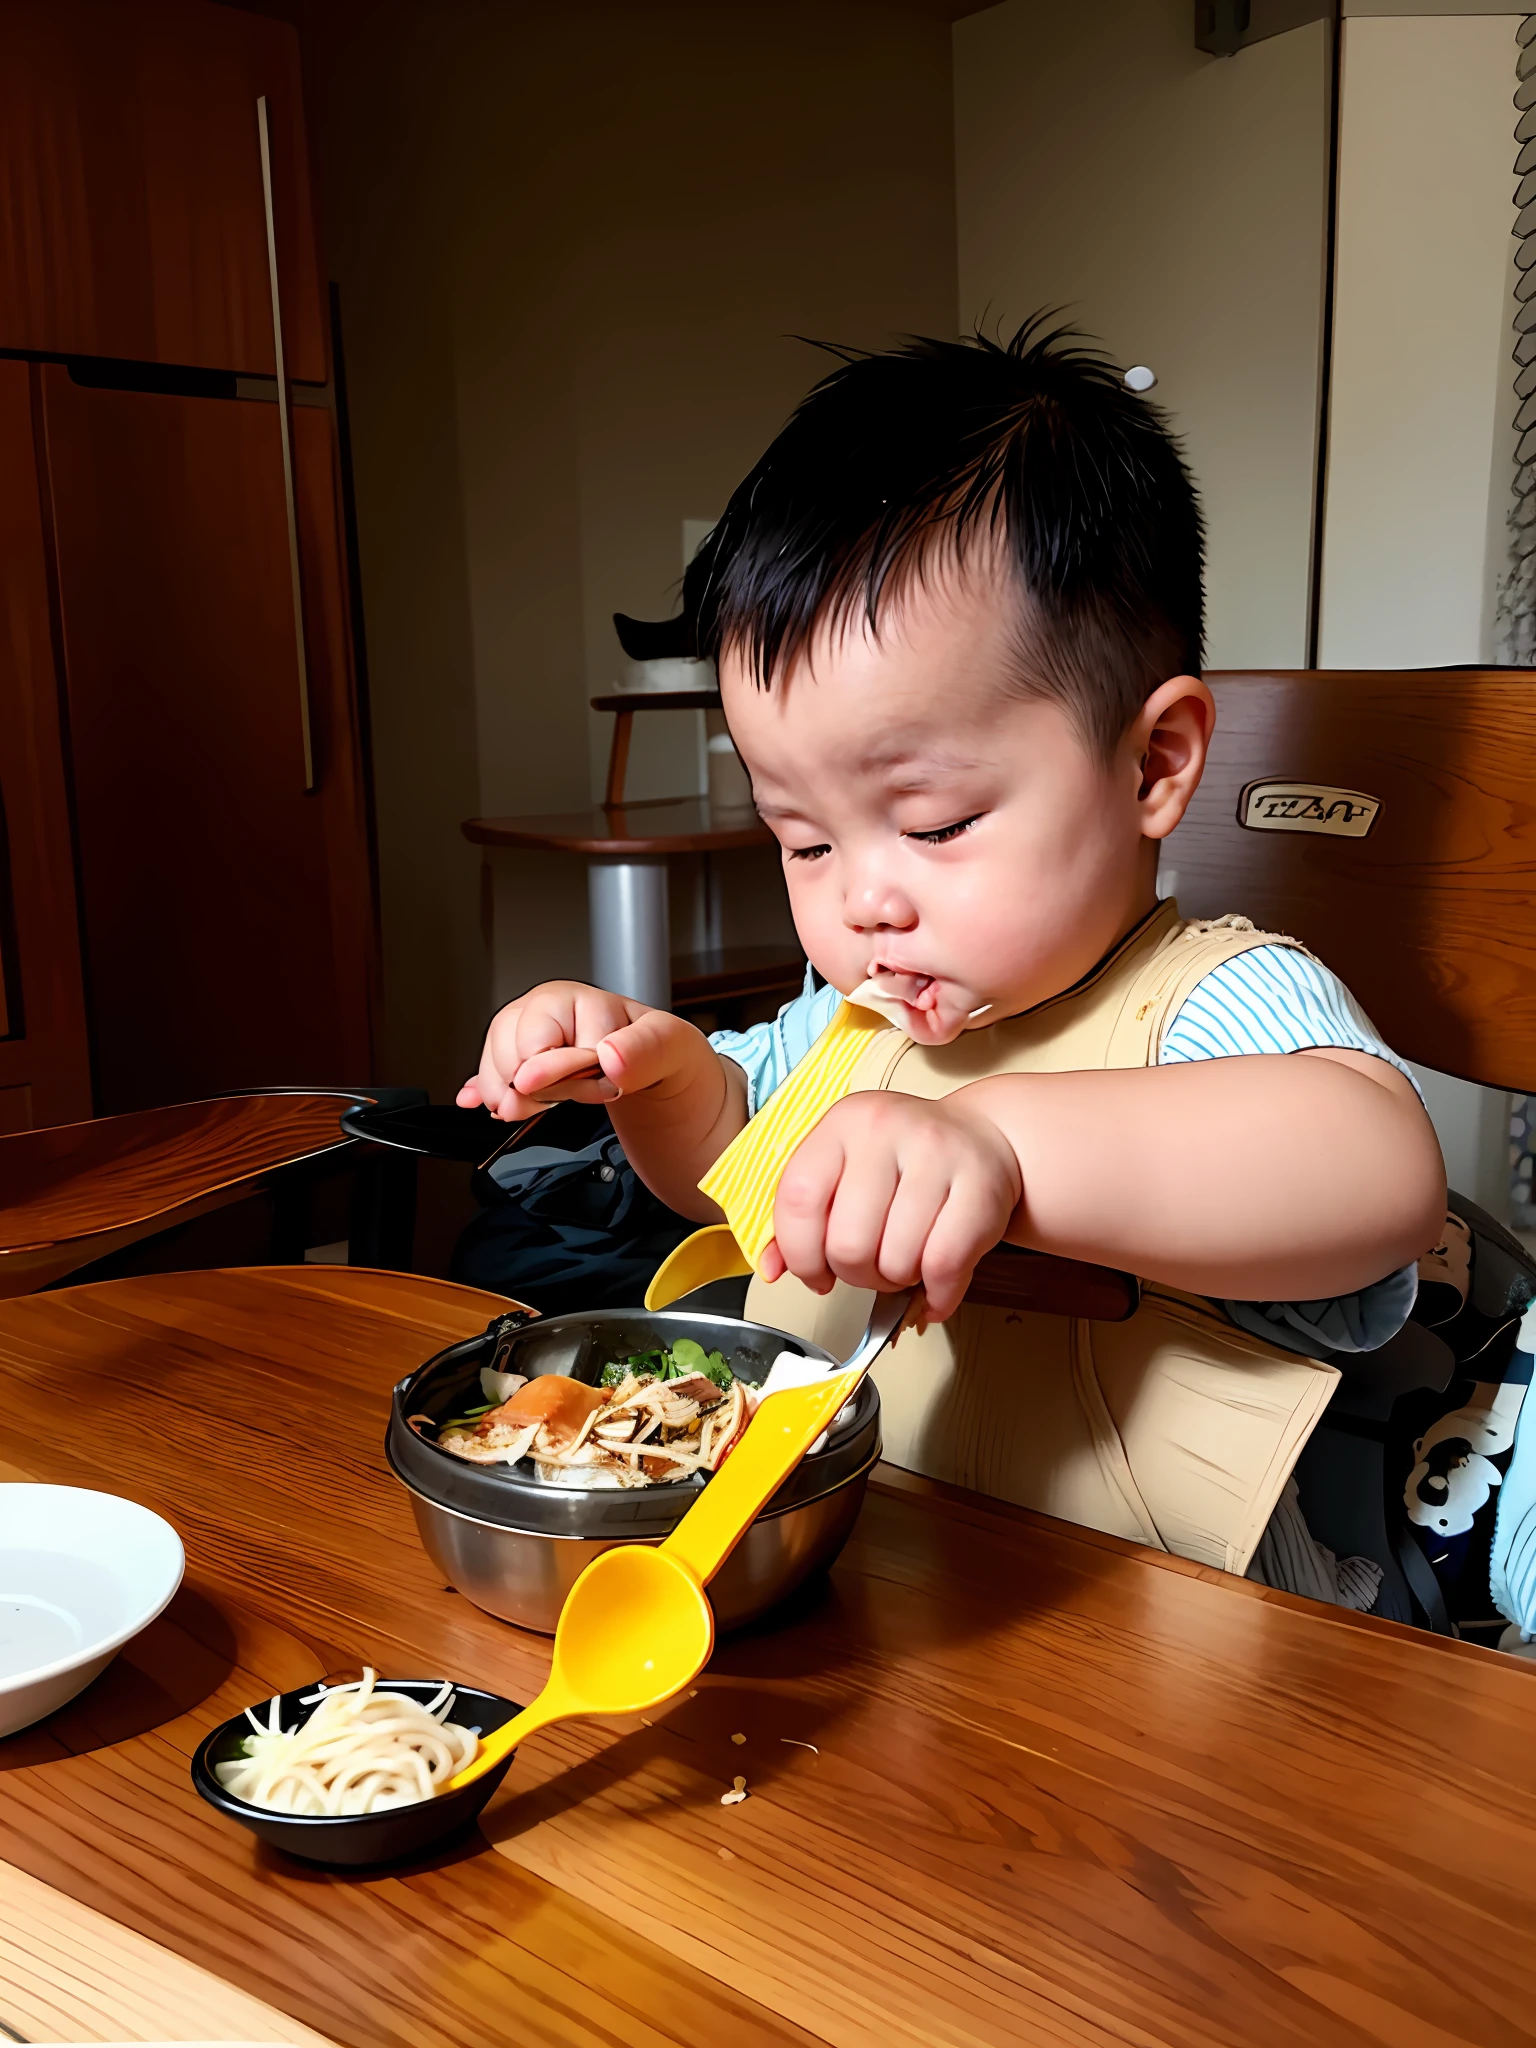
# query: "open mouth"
901,987
890,990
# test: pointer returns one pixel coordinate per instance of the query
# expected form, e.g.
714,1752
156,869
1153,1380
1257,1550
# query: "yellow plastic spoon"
636,1626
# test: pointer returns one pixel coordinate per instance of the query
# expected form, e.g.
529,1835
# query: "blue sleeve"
1272,999
769,1053
1277,1000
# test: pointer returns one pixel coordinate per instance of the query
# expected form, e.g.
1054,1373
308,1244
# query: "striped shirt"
1272,999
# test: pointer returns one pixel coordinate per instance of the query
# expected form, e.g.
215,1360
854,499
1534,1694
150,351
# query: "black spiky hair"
895,459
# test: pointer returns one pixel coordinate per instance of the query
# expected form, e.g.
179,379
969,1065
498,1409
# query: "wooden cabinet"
222,903
178,894
133,223
44,1068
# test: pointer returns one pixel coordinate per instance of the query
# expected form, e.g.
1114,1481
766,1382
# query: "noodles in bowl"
364,1749
655,1418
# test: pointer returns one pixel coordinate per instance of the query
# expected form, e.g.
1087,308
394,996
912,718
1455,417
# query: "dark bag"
1448,1450
1406,1463
568,1224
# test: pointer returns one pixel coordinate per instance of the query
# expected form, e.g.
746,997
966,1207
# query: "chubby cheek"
1024,923
816,907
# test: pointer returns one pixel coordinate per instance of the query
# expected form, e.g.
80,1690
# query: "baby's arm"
675,1103
1283,1177
1275,1177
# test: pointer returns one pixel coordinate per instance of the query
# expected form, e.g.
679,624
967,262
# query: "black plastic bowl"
355,1840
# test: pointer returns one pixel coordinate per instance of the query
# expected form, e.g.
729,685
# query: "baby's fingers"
801,1209
967,1226
568,1073
643,1052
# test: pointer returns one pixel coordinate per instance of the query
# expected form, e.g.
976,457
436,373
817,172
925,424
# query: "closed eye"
943,832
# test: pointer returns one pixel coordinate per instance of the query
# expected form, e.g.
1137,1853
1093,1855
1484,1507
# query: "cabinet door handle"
265,137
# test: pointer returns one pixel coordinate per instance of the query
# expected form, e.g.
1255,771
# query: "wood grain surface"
134,224
45,1067
1009,1276
1057,1790
656,825
71,1193
68,1973
1431,918
176,596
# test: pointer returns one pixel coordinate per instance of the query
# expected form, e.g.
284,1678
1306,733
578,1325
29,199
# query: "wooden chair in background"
626,846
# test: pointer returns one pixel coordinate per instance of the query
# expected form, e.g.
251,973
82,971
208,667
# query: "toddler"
957,613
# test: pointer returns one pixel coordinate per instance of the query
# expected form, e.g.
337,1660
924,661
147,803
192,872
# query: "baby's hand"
889,1191
566,1042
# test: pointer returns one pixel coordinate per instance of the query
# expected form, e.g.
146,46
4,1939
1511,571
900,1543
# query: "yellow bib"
1174,1429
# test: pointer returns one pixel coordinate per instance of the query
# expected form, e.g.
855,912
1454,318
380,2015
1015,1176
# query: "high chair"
1383,820
1388,821
1387,818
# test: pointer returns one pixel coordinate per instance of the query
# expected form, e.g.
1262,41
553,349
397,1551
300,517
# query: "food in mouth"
892,993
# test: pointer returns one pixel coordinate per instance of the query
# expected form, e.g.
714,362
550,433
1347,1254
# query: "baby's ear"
1173,736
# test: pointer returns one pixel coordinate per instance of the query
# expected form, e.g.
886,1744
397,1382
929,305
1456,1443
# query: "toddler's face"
955,841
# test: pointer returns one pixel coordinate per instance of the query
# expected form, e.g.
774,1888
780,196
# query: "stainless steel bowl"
515,1546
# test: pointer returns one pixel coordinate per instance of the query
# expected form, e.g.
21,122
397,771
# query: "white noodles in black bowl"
349,1775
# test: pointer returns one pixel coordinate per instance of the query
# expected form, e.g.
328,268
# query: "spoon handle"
551,1705
777,1438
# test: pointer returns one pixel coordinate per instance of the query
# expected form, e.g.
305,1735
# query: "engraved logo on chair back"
1426,909
1286,806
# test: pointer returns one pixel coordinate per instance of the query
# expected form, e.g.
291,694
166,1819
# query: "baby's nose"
877,907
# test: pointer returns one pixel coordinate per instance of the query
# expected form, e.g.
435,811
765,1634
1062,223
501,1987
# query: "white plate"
80,1574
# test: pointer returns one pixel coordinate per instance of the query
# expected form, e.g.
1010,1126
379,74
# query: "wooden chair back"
1386,818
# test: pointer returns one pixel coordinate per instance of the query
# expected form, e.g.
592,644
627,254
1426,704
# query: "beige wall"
1422,378
573,246
1419,447
1174,204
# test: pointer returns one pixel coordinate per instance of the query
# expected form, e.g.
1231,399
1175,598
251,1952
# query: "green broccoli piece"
678,1362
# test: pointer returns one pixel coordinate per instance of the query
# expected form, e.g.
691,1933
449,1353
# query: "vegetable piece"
643,1364
469,1418
500,1386
689,1356
682,1360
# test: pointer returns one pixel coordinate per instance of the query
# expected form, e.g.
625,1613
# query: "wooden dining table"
1009,1781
